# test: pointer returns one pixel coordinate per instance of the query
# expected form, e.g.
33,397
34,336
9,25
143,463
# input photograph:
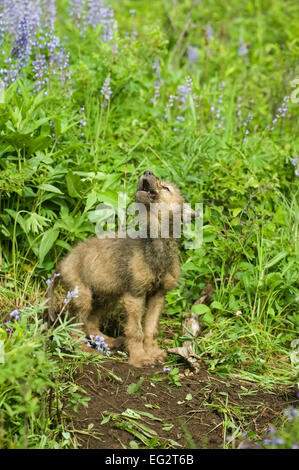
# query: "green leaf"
106,419
47,241
64,244
167,427
50,188
276,259
149,415
236,211
135,387
200,309
113,376
18,140
91,200
216,305
40,143
73,184
208,319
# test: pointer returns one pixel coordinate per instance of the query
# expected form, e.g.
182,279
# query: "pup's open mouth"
147,189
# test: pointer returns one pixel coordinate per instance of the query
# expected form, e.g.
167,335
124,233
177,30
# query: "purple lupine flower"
245,124
15,315
280,113
218,111
106,90
183,92
98,342
157,83
30,23
295,163
170,104
193,53
243,49
51,279
91,13
40,71
48,16
239,112
290,413
209,33
277,441
181,97
77,11
244,445
267,441
22,45
3,28
71,294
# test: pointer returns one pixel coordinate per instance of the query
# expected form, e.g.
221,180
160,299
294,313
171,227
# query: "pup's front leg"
133,330
154,308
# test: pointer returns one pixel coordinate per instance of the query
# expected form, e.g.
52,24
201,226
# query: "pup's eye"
165,187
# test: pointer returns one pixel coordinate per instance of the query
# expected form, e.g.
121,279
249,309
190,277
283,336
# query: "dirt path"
193,414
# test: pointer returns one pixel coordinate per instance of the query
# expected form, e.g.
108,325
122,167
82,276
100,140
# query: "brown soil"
197,422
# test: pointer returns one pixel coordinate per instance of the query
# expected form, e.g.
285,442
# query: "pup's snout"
148,173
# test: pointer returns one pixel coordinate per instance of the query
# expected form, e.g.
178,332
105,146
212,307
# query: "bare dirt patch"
192,415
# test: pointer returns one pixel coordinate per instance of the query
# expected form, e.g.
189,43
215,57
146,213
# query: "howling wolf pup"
134,271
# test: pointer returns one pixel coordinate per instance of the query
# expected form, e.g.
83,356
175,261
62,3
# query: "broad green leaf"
236,211
208,319
135,387
216,305
40,143
73,184
200,309
47,241
91,200
50,188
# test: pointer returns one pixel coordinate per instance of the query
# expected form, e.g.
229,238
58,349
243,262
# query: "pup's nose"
148,173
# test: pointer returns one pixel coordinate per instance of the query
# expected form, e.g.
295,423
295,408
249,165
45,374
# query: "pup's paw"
116,343
158,355
141,361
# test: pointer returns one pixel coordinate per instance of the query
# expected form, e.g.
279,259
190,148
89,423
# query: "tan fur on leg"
154,308
133,330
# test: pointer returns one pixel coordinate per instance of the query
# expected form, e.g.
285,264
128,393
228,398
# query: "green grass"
54,172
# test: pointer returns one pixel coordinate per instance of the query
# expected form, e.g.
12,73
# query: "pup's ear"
188,213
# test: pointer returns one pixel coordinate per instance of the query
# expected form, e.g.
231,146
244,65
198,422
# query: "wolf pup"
134,271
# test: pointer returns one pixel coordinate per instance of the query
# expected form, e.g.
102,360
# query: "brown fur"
136,272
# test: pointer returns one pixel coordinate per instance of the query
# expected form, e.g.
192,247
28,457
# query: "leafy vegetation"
201,93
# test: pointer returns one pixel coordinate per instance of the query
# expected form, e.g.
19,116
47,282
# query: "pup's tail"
50,293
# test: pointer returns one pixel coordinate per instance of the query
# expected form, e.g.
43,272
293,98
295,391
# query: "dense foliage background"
204,93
